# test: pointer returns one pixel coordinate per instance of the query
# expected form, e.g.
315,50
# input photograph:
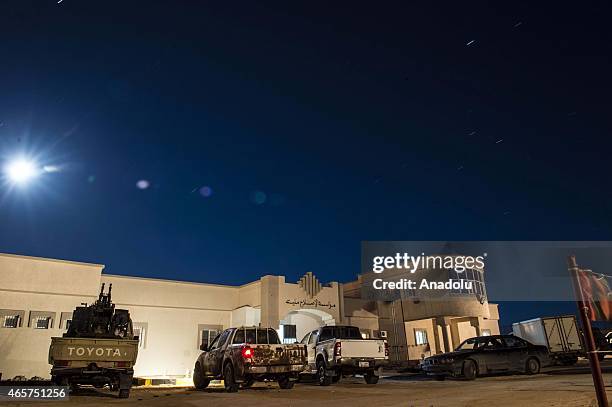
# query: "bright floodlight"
21,171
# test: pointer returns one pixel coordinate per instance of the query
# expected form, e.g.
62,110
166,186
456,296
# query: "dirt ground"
565,389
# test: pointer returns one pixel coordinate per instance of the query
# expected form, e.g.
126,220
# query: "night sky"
221,141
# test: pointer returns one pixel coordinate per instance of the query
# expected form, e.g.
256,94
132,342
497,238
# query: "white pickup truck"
337,351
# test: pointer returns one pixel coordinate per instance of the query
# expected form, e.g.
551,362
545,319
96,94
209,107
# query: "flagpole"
583,310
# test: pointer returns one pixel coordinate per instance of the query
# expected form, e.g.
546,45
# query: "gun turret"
100,319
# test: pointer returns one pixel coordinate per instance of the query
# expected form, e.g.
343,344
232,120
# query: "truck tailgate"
363,348
92,349
280,354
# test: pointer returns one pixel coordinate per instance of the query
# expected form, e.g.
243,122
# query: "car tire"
124,393
370,378
470,371
229,380
322,377
336,378
199,381
285,384
532,366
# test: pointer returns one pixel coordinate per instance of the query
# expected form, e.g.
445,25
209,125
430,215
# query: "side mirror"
204,346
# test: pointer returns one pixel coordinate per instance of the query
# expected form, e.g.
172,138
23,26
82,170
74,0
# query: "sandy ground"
565,389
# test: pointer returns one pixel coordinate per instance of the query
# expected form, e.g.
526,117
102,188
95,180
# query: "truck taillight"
338,349
247,352
62,363
122,364
386,348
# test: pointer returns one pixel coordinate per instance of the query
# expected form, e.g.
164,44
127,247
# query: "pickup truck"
94,361
100,348
241,356
336,351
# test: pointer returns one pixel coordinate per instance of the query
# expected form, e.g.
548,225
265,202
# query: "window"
220,340
250,336
305,339
494,343
514,342
238,337
261,336
340,332
289,333
42,323
208,335
485,332
313,337
140,330
65,320
273,337
420,336
41,319
11,321
469,344
214,343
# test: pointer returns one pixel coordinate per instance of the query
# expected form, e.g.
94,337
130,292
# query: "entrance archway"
306,320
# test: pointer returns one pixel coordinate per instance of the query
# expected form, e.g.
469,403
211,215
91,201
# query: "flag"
596,294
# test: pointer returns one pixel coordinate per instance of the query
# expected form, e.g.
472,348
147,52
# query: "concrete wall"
246,316
279,299
417,352
250,294
492,325
457,307
361,313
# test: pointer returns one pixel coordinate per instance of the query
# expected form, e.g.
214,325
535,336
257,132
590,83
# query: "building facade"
172,318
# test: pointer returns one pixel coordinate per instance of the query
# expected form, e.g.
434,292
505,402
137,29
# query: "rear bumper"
274,369
85,371
360,365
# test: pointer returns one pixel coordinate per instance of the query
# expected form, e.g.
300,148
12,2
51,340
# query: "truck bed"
277,354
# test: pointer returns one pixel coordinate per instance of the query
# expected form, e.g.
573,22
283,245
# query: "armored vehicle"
99,348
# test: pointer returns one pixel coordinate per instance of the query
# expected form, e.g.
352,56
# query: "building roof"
78,263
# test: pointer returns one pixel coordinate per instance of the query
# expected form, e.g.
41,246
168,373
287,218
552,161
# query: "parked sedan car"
488,354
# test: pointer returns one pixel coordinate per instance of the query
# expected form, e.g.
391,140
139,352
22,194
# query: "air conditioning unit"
383,334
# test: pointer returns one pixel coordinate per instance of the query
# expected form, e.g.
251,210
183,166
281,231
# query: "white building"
37,297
